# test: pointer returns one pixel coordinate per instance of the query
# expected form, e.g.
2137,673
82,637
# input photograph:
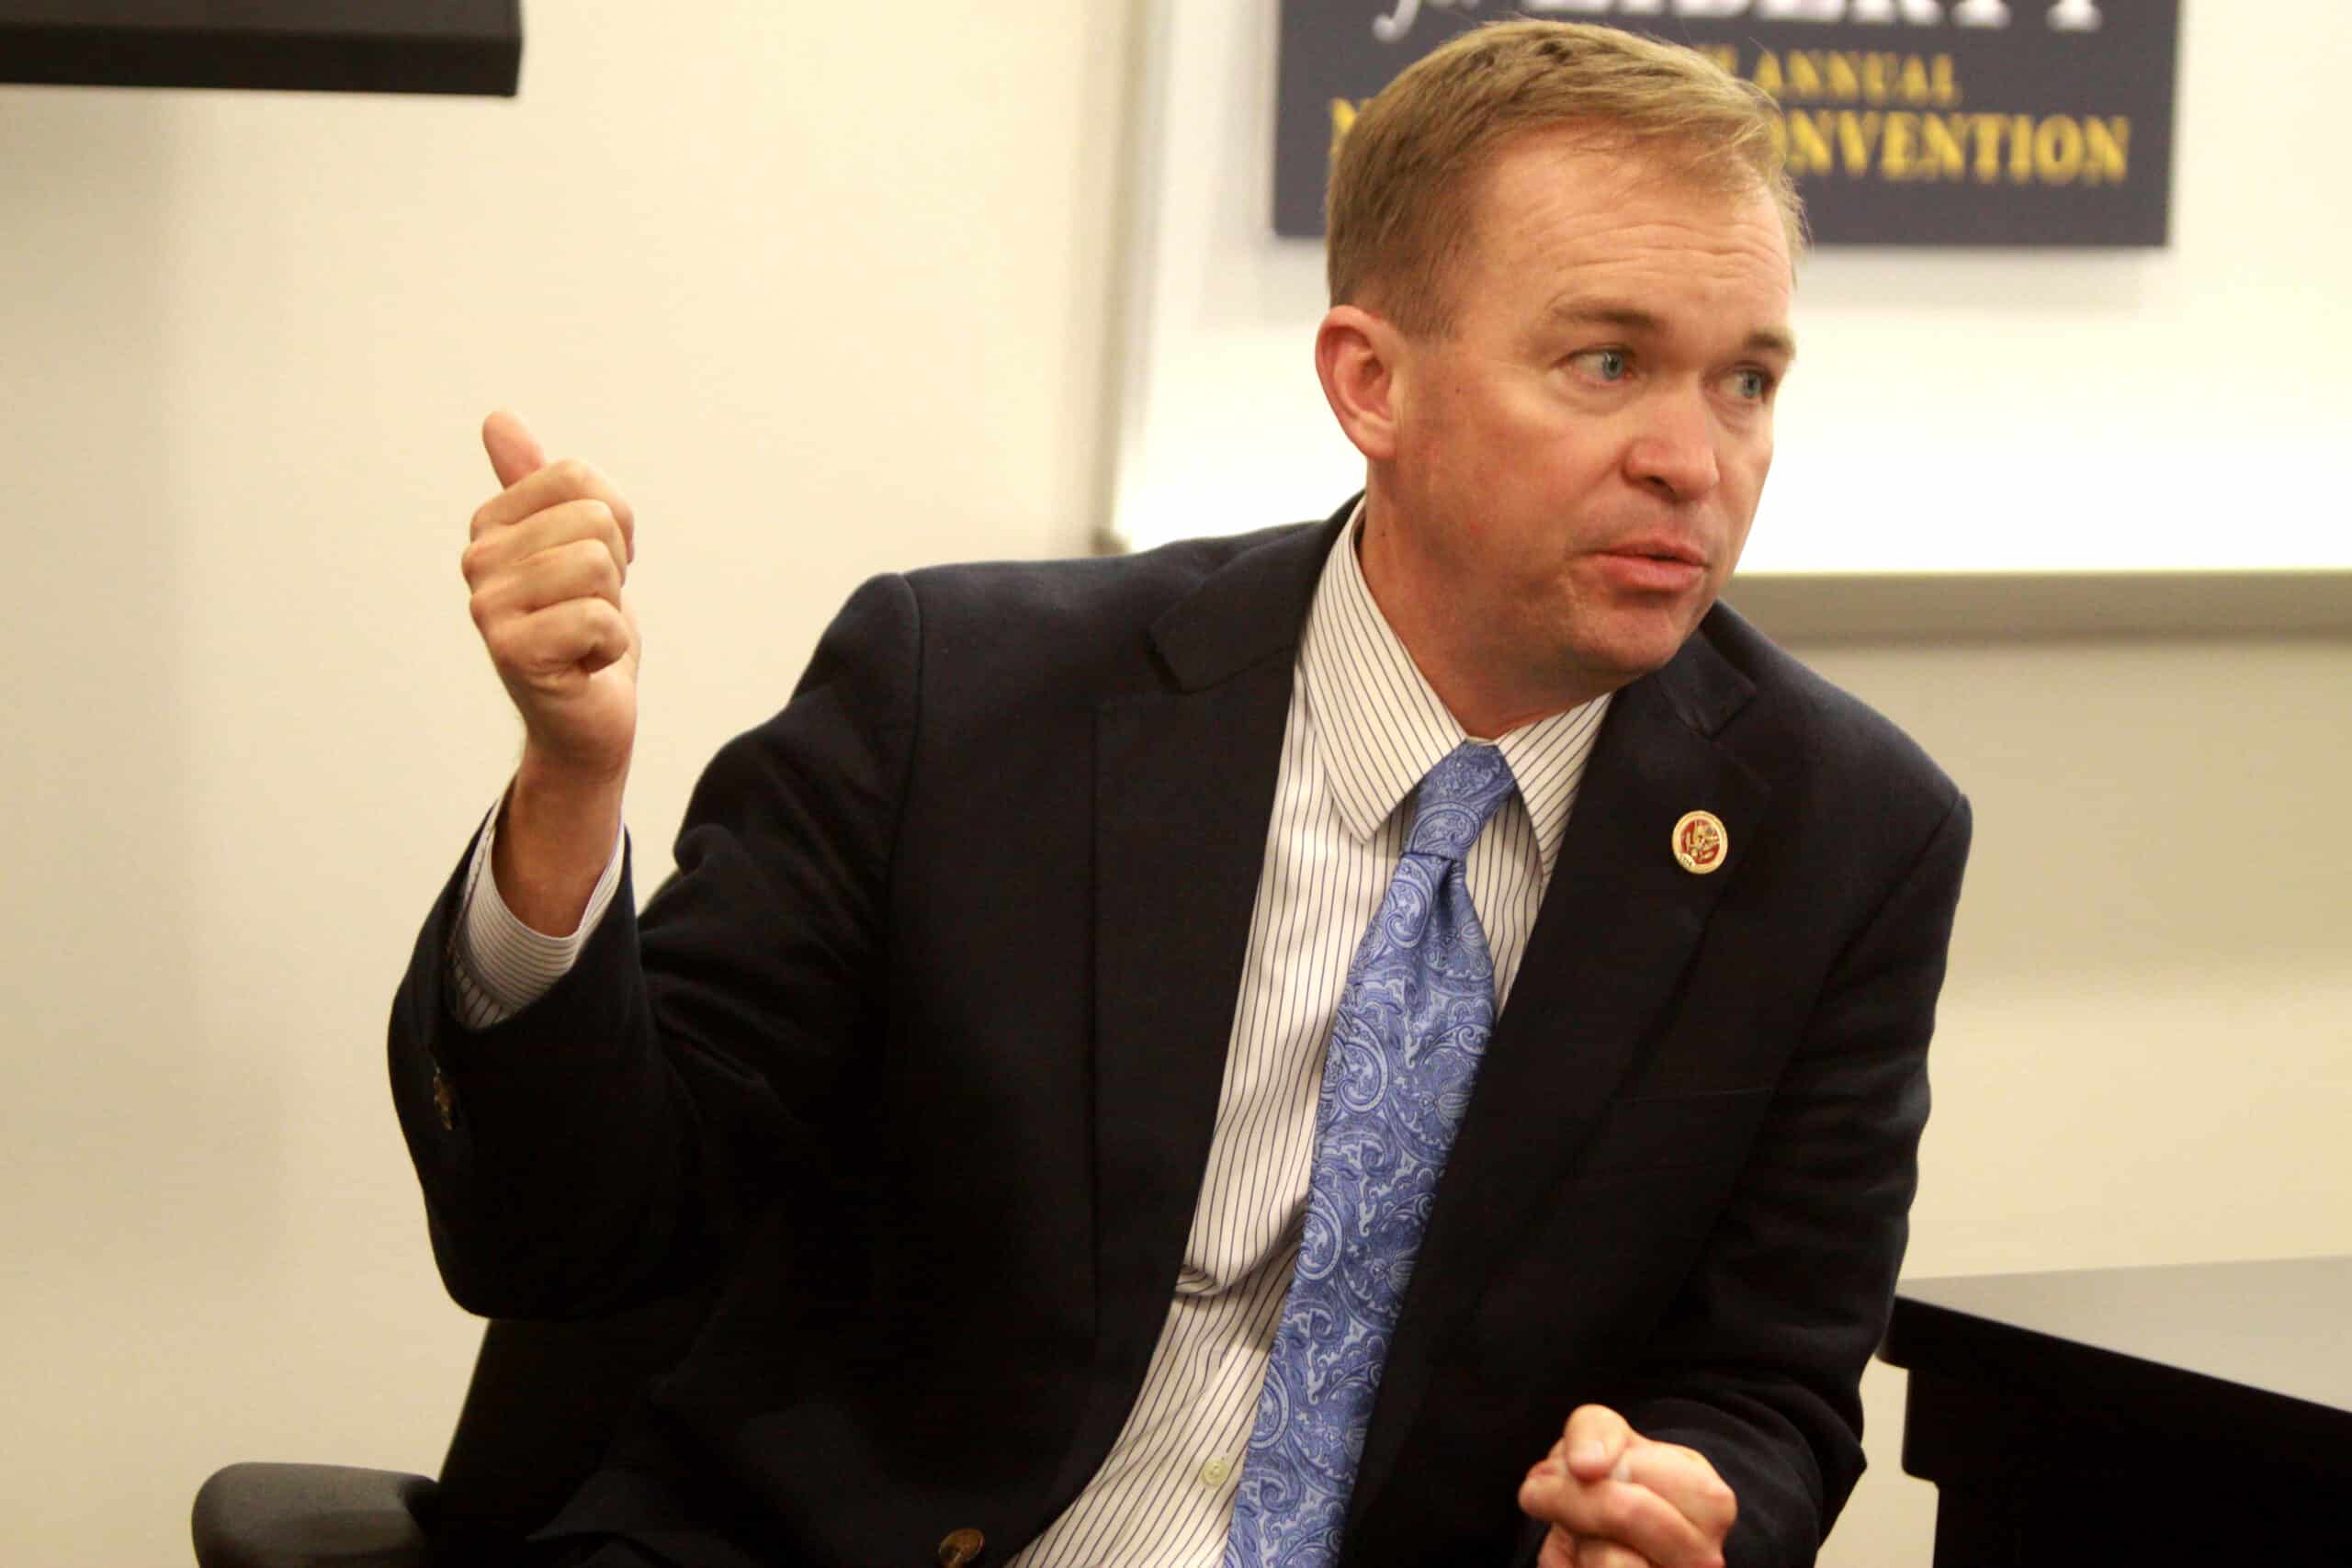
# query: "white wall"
824,287
826,294
2144,1051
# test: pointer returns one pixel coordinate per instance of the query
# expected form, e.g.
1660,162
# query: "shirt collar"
1382,727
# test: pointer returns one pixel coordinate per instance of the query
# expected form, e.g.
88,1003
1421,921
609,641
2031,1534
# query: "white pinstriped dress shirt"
1363,730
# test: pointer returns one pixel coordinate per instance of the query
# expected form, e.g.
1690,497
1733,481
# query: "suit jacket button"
444,1101
961,1547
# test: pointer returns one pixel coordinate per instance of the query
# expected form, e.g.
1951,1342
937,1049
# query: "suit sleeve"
602,1146
1758,1363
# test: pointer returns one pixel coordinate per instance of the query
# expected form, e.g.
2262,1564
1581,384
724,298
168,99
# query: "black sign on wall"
1907,122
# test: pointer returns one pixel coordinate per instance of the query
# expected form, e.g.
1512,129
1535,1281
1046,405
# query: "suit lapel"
1620,924
1184,791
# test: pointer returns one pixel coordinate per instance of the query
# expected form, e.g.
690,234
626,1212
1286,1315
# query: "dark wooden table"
2195,1413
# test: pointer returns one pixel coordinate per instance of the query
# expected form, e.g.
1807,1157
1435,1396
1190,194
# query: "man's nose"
1674,450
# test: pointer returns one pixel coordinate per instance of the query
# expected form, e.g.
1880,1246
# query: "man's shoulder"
1091,588
1113,624
994,636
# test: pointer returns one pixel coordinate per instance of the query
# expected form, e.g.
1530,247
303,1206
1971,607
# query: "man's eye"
1602,364
1751,385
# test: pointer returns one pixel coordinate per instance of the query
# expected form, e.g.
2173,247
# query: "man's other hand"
1614,1499
547,559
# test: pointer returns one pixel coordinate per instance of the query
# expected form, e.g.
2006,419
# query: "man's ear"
1357,354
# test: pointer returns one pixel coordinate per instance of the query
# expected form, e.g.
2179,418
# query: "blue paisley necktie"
1405,1047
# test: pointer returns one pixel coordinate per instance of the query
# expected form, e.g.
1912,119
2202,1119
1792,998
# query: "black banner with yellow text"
1907,122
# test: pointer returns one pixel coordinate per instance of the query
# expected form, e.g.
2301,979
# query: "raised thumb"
515,452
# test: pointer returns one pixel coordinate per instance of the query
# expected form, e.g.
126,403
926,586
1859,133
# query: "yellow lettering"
2058,149
1857,135
1809,143
1944,157
1987,129
2020,149
1945,84
1896,159
1724,55
1914,81
1801,75
2108,153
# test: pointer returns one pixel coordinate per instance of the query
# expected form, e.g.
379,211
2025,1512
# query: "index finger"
1594,1441
570,480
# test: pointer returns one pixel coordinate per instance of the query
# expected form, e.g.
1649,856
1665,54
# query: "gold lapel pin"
1700,842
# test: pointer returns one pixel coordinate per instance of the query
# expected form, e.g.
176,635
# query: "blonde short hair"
1401,207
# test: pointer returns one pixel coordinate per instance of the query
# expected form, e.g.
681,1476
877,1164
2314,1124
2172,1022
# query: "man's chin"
1639,642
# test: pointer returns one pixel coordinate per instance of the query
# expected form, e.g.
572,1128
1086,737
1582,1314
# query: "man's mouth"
1660,548
1654,565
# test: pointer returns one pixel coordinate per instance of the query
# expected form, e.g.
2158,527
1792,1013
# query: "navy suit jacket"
919,1050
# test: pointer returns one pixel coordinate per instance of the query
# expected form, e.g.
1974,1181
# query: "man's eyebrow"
1572,310
1778,342
1575,309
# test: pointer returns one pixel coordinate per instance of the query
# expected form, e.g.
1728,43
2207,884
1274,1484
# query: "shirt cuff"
498,965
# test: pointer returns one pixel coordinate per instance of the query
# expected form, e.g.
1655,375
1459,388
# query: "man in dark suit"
976,1044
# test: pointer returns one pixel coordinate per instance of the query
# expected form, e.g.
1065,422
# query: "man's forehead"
1562,201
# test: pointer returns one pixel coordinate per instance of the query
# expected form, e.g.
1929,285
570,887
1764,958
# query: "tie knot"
1455,799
